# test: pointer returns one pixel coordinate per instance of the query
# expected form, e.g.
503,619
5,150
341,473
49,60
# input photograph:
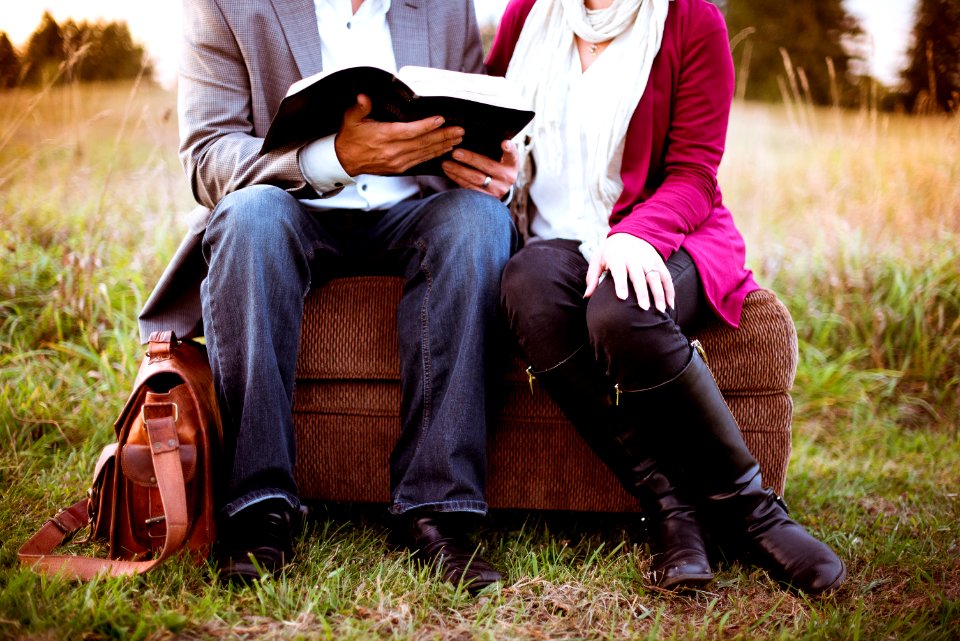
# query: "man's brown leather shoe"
437,538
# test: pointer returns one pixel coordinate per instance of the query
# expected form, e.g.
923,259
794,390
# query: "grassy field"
853,218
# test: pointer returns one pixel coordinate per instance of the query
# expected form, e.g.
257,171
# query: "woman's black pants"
542,295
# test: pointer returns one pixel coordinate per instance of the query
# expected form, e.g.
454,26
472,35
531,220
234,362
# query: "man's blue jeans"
265,251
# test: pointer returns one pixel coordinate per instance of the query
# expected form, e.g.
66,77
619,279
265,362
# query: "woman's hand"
630,257
473,171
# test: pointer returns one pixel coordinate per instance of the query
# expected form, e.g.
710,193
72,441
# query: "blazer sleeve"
694,143
218,146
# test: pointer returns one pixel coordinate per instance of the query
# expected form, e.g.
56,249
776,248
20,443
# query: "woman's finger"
668,291
655,284
481,164
618,271
593,275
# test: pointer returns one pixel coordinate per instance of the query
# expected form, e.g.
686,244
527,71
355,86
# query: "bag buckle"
176,411
151,522
68,531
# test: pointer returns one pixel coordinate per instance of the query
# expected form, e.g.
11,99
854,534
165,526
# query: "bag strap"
160,420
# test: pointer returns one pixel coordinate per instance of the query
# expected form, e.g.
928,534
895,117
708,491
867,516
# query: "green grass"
852,218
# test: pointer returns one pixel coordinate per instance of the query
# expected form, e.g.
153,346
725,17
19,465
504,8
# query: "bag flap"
107,455
136,461
102,492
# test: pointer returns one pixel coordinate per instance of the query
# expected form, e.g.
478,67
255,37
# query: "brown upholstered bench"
347,400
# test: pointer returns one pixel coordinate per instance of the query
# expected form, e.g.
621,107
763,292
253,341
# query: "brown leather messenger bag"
153,489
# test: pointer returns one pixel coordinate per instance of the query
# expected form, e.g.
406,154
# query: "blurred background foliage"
73,51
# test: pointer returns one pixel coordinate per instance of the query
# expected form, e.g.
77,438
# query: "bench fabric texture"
347,405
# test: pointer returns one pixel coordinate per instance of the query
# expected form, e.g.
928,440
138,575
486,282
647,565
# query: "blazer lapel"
410,32
298,18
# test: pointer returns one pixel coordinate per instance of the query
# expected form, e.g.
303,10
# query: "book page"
493,90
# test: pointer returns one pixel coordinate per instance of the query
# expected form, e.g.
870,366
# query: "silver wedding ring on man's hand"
486,182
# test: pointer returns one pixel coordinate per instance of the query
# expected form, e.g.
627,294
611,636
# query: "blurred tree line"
73,51
933,72
815,51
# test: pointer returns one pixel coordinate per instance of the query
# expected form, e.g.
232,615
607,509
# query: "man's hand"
366,146
473,171
630,257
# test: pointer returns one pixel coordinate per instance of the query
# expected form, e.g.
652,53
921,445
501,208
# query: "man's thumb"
360,109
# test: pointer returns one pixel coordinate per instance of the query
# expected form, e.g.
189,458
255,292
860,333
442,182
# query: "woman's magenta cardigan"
673,147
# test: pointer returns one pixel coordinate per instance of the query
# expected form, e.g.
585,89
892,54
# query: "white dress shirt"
350,39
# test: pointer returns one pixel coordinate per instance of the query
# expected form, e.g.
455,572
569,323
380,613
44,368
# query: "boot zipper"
697,345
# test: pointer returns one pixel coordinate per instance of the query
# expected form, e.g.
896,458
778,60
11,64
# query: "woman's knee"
543,305
525,277
622,332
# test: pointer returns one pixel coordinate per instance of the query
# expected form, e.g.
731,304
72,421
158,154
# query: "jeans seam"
456,505
258,496
216,355
425,346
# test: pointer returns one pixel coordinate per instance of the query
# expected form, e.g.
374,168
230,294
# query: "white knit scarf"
542,56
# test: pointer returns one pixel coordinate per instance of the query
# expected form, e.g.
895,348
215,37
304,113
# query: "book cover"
486,107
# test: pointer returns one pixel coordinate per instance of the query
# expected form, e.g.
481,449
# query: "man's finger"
410,154
417,128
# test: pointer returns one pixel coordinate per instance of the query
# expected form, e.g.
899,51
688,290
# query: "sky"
157,26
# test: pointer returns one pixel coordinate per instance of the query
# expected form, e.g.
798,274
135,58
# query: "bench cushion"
347,399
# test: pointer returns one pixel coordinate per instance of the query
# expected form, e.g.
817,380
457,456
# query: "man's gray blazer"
239,59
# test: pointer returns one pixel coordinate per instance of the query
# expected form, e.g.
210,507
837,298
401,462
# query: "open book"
489,108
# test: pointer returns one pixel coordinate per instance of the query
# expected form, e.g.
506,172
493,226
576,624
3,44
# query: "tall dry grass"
91,197
854,219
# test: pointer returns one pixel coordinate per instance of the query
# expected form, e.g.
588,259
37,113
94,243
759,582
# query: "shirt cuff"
321,168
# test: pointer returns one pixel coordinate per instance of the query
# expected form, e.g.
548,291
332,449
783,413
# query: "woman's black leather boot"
676,542
726,478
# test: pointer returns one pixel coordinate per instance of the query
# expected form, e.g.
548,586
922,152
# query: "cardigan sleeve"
511,24
694,140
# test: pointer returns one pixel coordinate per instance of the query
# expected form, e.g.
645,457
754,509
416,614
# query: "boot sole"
686,582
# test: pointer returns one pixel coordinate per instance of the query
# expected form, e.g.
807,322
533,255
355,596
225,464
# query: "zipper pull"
530,377
616,389
697,345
